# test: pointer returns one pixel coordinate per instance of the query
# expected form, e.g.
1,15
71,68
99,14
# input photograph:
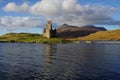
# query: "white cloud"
16,22
69,5
15,8
46,8
11,7
66,11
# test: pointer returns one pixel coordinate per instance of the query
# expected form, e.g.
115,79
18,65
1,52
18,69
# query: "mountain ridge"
70,31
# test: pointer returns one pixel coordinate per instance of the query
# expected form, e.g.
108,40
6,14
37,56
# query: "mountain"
69,31
103,35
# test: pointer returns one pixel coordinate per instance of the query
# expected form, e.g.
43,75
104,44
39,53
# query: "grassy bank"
30,38
38,38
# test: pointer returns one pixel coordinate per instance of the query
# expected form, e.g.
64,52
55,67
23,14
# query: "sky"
31,15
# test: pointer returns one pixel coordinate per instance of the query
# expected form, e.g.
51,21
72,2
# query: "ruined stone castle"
48,32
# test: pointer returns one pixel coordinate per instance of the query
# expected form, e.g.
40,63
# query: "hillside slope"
68,31
103,35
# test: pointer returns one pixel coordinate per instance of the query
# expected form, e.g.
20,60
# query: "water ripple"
31,61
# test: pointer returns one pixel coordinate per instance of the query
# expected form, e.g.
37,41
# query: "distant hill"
103,35
69,31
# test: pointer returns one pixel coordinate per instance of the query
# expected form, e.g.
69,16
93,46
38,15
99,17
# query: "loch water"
33,61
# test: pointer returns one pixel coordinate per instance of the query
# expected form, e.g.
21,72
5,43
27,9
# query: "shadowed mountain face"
68,31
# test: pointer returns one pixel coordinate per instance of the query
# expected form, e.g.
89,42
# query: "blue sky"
31,15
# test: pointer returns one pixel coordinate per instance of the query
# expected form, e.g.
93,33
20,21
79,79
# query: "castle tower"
48,32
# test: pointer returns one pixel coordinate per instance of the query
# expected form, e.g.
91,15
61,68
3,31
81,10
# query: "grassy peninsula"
38,38
30,38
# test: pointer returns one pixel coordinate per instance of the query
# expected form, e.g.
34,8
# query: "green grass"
30,38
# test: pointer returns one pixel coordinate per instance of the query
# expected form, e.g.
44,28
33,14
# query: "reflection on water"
30,61
48,51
